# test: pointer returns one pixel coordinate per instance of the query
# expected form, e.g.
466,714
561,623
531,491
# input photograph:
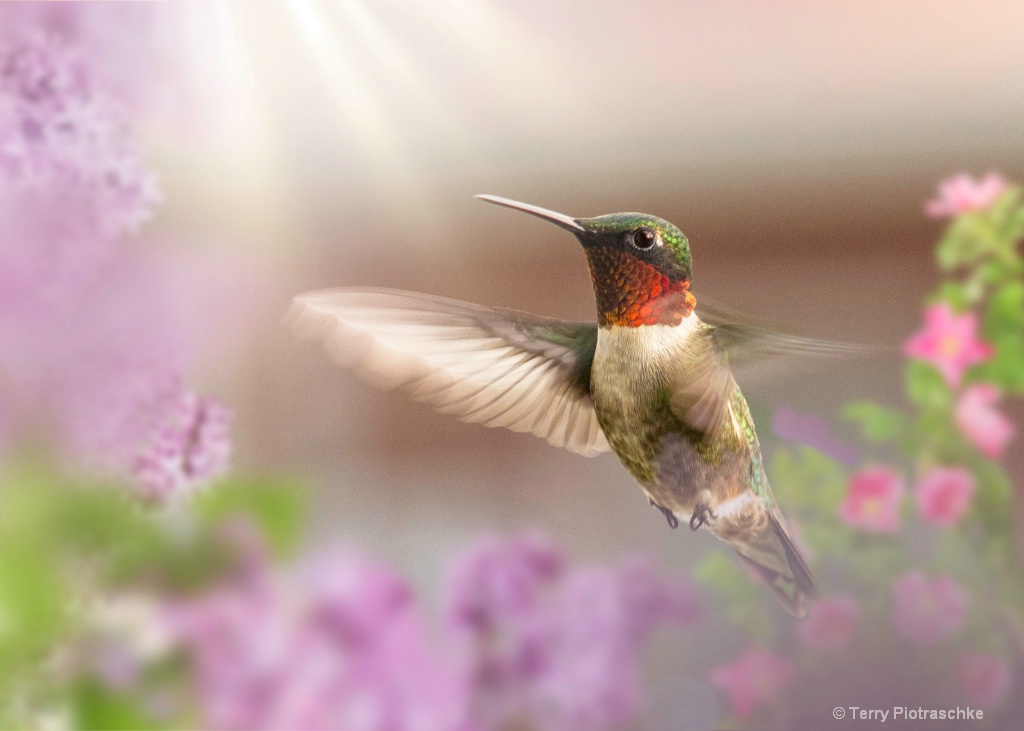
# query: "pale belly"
635,371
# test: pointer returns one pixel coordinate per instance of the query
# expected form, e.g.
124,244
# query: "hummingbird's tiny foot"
673,521
701,515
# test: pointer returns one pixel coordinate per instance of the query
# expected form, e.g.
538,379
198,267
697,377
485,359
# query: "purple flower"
496,579
187,447
553,648
812,430
338,644
925,610
57,132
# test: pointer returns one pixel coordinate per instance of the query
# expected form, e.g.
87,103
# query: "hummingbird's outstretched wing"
749,341
731,341
481,364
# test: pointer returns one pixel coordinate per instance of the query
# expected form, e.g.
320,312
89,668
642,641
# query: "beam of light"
353,100
390,55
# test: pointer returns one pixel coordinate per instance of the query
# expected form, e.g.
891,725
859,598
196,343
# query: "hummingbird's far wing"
748,341
481,364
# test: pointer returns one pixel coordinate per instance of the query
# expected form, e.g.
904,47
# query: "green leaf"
1005,312
877,423
98,707
926,388
955,294
1006,368
993,501
276,506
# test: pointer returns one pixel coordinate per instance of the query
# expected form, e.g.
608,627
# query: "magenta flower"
754,679
985,677
831,623
949,342
943,494
983,425
963,194
928,610
873,500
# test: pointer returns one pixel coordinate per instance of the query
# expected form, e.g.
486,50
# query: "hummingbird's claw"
701,515
673,521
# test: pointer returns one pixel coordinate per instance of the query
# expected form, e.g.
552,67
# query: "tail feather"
801,572
768,548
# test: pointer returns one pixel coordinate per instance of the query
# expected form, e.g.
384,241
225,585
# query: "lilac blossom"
187,447
106,378
553,648
58,133
337,644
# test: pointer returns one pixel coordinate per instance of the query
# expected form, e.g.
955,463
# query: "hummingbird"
650,380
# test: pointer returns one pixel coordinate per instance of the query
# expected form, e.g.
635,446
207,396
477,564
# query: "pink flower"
984,426
752,680
873,500
831,623
943,494
963,194
949,342
928,610
985,677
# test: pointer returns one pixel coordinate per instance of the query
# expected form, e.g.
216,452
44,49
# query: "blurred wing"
728,341
485,365
747,341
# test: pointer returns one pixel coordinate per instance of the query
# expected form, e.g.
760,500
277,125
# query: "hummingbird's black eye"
643,238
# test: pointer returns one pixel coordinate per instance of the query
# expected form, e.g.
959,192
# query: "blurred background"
314,143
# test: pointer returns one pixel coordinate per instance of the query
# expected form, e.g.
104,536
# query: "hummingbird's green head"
639,264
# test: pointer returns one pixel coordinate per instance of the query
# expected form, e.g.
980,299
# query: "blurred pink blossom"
106,377
554,648
873,500
943,494
982,424
985,677
754,679
187,449
963,194
831,623
928,610
57,129
136,51
338,644
949,342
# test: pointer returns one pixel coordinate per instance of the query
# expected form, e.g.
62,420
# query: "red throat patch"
630,292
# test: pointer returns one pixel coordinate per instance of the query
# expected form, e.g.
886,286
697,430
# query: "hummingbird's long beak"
560,219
